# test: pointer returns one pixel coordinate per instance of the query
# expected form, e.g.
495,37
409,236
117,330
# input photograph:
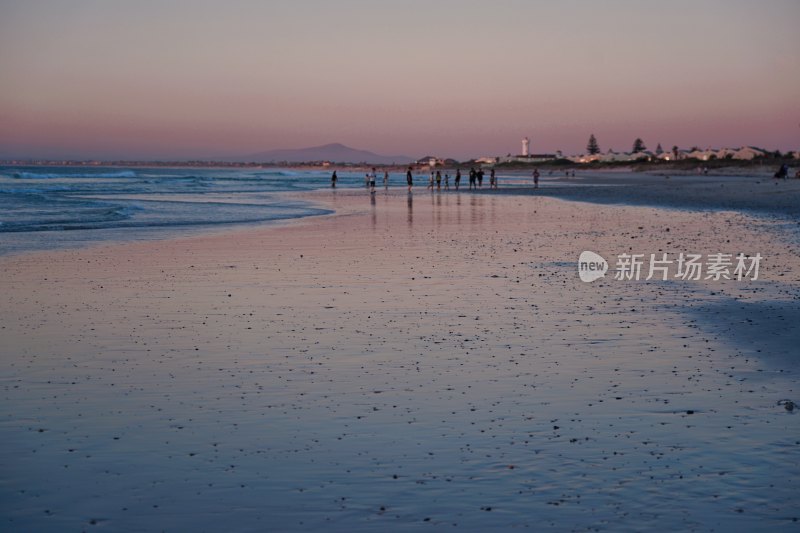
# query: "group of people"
475,179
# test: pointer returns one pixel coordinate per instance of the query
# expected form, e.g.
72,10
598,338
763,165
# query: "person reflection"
374,210
410,218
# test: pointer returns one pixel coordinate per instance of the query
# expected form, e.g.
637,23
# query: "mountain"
335,153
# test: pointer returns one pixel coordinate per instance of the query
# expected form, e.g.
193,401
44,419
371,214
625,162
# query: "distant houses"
529,158
745,153
431,161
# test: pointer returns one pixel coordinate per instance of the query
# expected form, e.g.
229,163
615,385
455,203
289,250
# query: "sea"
45,208
57,207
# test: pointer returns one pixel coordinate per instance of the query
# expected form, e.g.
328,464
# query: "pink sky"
186,79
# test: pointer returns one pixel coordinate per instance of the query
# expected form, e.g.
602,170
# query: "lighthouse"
525,143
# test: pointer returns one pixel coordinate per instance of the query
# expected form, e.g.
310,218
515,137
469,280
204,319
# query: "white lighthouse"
525,143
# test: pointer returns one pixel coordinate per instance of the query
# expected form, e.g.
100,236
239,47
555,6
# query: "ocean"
43,208
56,207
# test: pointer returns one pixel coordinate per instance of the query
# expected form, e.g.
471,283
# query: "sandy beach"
413,362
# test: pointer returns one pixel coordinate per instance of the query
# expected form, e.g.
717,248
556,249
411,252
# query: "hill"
335,153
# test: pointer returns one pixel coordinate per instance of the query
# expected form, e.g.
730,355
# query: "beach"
410,362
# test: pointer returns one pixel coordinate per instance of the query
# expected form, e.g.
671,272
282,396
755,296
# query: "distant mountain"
335,153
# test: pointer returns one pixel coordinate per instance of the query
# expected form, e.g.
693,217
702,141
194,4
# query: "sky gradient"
199,79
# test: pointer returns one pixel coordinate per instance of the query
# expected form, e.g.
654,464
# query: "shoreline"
746,194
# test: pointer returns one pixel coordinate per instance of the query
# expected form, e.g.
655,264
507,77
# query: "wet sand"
746,190
412,362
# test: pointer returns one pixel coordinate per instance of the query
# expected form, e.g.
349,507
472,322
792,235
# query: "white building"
525,147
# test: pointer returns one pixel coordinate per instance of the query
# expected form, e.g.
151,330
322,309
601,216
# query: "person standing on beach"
535,178
447,182
479,175
458,177
333,180
372,177
492,180
438,180
409,179
386,180
430,180
471,178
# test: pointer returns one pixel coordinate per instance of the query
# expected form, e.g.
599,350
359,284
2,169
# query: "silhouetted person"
372,177
334,178
409,179
458,178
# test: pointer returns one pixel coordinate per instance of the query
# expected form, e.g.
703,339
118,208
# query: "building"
525,145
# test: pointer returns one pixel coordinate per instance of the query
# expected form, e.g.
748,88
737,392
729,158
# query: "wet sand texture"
413,362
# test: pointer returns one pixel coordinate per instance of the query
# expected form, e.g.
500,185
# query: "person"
471,178
409,179
366,180
458,177
447,182
372,177
493,180
430,180
783,172
479,175
333,180
535,178
386,180
438,180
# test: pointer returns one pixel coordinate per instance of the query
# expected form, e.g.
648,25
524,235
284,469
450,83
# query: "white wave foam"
47,175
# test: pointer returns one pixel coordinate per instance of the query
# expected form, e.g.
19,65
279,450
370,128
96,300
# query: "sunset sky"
452,78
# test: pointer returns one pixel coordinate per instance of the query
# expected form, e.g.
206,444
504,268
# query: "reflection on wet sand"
373,211
410,218
476,213
445,209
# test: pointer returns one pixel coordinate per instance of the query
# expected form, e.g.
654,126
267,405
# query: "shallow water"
45,208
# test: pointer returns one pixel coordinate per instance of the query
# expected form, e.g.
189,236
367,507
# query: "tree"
638,146
659,150
593,148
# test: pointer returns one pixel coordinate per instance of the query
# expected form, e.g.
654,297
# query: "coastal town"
593,157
